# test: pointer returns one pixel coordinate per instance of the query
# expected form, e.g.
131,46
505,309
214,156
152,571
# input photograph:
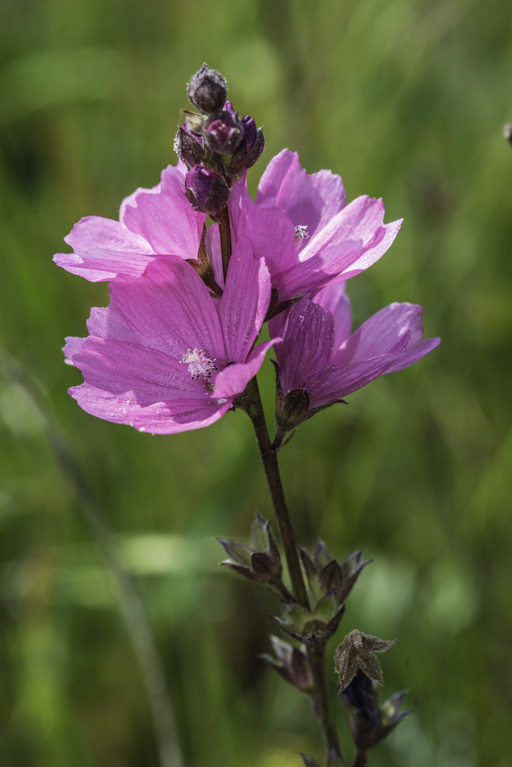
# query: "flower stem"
361,759
225,239
254,409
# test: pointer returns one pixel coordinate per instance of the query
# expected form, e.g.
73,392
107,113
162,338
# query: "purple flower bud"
223,132
188,149
249,129
243,159
206,190
207,90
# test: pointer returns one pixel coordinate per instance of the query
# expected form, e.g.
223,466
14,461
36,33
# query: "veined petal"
245,301
269,229
170,309
307,345
374,249
164,216
157,418
359,220
334,384
308,200
146,375
231,381
334,299
382,332
104,248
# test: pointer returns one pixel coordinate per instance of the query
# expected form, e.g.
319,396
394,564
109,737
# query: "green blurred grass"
406,100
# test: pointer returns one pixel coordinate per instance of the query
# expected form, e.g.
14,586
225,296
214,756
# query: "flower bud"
291,663
188,149
259,561
223,132
206,190
244,158
207,90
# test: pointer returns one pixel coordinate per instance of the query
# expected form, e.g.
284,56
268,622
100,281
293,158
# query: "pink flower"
165,356
302,227
321,358
152,223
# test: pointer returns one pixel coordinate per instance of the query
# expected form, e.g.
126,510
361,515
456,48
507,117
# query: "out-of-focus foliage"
406,100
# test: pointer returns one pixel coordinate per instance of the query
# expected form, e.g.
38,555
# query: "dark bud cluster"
326,575
260,559
216,138
312,627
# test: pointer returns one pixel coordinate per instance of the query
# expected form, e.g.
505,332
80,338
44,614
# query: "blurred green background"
406,99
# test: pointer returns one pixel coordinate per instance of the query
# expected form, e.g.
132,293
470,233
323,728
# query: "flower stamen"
199,364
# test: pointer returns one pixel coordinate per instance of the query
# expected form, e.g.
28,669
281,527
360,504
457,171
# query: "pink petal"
333,384
164,216
157,418
231,381
245,301
334,299
307,200
270,230
307,345
170,309
104,248
380,334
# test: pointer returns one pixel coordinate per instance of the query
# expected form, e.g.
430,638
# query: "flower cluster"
196,267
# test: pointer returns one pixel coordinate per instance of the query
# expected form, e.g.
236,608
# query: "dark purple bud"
223,132
206,190
243,159
250,131
188,149
207,90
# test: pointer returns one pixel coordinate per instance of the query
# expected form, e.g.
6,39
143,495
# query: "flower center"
198,363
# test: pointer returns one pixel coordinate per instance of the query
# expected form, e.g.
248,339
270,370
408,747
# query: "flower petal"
104,248
144,388
270,230
308,200
330,385
231,381
170,309
307,345
381,333
164,216
334,299
245,301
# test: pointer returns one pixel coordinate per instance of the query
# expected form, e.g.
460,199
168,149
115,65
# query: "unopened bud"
188,149
206,190
243,159
207,90
223,132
